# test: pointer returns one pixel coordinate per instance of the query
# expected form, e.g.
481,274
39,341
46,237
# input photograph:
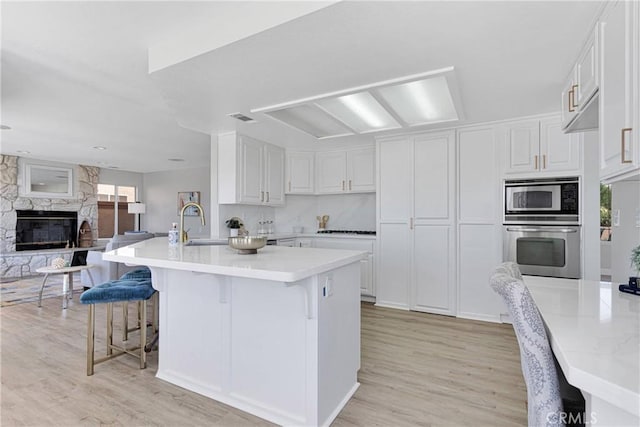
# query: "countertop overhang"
277,263
594,331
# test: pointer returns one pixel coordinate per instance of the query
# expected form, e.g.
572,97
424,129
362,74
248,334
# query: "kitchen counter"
270,263
594,332
275,334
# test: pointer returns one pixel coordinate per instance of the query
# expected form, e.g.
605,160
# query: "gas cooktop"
346,232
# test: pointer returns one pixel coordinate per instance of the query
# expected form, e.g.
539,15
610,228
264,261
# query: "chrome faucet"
183,234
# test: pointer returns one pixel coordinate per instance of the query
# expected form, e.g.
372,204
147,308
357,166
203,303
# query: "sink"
207,242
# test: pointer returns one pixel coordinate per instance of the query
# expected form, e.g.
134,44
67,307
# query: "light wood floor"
417,370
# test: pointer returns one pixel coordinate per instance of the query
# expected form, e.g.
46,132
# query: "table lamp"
137,208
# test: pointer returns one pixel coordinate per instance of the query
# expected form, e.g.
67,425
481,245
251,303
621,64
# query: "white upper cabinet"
249,171
619,98
522,146
273,175
361,175
569,106
350,171
578,99
300,172
331,172
534,146
558,151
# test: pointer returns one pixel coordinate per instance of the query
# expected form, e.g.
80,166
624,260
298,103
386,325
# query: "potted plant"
234,224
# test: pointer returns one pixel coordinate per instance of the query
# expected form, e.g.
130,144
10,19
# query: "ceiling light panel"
421,102
312,120
360,111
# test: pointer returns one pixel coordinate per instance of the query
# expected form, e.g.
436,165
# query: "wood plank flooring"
417,370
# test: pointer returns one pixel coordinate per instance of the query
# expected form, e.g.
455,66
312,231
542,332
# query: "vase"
233,232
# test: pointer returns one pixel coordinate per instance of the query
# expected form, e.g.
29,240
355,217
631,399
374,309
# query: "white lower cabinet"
416,234
367,286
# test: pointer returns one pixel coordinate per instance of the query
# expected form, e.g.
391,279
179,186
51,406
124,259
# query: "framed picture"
185,197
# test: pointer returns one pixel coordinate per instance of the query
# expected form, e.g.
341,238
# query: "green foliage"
605,205
635,258
233,223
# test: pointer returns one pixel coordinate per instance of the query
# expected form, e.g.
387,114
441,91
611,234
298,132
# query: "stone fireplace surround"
25,263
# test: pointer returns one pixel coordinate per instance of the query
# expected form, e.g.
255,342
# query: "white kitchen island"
275,334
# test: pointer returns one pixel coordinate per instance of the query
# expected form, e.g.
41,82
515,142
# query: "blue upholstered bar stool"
131,288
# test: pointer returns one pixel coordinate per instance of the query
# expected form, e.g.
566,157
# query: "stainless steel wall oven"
542,231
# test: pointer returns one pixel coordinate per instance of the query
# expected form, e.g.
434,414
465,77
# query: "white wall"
591,207
161,197
625,198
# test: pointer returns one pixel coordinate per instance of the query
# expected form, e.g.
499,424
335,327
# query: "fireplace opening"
46,230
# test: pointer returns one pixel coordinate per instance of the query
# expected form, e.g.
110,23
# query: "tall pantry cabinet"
416,222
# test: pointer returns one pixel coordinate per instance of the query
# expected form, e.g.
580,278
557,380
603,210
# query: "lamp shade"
137,208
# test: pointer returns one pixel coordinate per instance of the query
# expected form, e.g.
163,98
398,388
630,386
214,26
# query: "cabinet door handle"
411,223
535,162
573,98
570,101
343,185
289,186
622,145
267,196
349,185
262,196
544,161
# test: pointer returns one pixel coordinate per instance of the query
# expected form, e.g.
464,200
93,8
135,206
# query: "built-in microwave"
542,201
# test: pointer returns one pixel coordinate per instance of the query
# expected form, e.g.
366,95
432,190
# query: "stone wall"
12,263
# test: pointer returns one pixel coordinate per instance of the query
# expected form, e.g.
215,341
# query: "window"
605,212
112,199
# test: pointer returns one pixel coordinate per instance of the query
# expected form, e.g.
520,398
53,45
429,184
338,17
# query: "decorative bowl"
247,244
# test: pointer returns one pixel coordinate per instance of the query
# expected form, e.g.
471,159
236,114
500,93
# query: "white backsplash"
346,212
250,216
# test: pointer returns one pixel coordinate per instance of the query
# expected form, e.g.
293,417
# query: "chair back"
543,389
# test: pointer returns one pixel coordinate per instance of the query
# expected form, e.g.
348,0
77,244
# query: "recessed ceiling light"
5,127
99,147
23,152
176,160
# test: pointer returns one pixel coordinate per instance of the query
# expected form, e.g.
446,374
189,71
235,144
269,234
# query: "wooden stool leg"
109,328
91,326
142,309
125,320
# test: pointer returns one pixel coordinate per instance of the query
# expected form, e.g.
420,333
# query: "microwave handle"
543,230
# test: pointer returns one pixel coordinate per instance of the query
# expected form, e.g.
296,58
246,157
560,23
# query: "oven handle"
543,230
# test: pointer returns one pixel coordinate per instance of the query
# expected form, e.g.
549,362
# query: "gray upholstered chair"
538,367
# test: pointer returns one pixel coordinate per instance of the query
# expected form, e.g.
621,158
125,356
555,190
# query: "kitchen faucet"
183,234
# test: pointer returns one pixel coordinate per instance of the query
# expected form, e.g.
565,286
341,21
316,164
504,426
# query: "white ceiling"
76,74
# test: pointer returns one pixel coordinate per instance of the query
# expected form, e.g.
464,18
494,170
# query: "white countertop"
277,263
276,236
595,334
